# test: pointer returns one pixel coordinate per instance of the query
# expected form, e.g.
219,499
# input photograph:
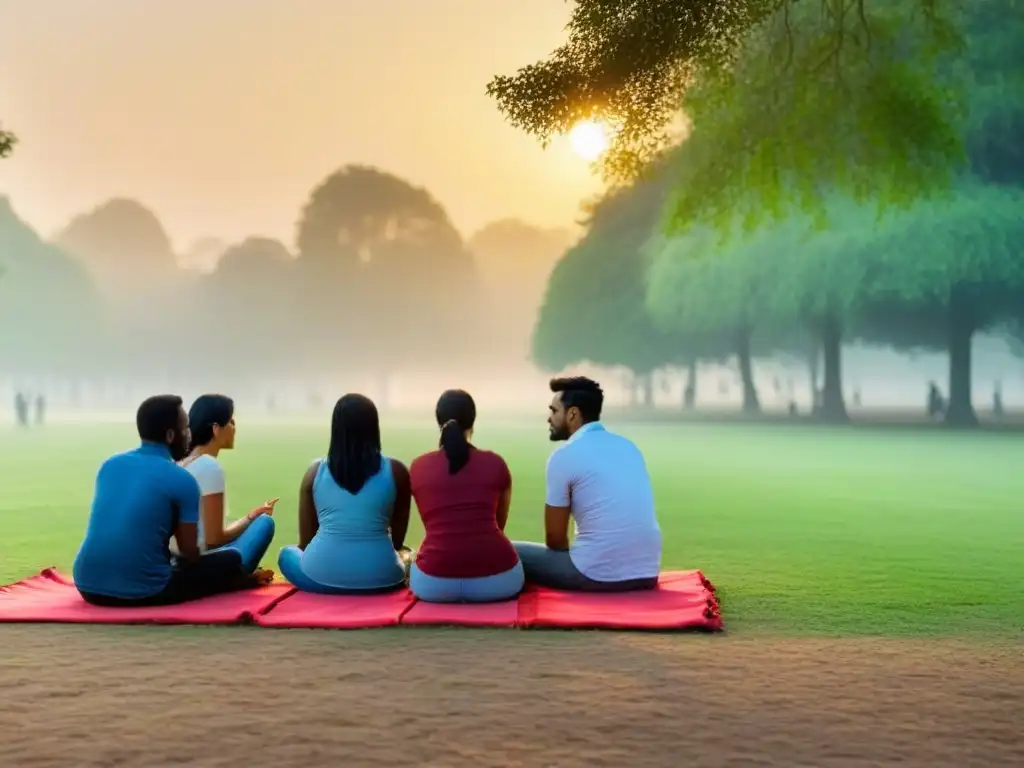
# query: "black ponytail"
454,445
456,414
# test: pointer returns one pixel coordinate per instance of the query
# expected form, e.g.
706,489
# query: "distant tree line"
379,280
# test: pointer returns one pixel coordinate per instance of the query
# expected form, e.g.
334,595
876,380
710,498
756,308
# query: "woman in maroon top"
463,495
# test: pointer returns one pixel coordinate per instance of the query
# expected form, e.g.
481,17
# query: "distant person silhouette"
997,400
21,409
40,409
936,402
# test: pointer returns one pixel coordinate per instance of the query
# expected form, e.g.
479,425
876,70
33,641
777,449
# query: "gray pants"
554,569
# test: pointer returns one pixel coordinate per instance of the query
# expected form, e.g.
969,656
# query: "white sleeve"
559,480
209,475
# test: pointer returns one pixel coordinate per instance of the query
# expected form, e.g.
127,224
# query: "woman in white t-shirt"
212,422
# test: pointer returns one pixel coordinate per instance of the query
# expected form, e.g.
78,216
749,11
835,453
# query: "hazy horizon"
222,118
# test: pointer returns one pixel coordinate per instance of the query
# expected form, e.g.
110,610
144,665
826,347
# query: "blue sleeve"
186,496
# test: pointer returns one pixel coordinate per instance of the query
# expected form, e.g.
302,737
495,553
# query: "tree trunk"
690,388
833,408
813,358
751,404
960,411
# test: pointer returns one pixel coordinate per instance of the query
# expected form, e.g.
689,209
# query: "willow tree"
992,72
699,287
950,269
838,89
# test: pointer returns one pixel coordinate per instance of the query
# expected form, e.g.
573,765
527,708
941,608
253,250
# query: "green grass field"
801,529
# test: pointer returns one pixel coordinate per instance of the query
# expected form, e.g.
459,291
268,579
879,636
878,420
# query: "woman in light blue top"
353,511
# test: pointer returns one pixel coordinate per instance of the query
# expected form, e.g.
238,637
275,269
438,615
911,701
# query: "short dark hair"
156,416
207,412
583,393
455,414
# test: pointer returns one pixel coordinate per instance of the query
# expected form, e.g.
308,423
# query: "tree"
594,308
821,283
993,74
379,252
50,314
696,288
515,260
951,269
7,142
637,63
127,251
251,310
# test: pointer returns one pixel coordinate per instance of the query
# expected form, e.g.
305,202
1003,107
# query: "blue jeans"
253,544
483,589
554,568
290,564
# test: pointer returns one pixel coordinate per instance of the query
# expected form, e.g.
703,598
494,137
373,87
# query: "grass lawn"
801,529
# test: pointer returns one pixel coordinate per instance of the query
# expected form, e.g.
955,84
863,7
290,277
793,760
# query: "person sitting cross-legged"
142,500
353,511
463,495
598,479
211,420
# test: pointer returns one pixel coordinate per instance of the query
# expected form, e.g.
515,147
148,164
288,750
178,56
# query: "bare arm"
216,533
556,527
186,523
558,501
403,502
308,522
504,496
186,536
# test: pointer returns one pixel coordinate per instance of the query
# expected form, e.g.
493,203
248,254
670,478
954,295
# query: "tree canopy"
126,249
58,333
253,316
842,90
372,245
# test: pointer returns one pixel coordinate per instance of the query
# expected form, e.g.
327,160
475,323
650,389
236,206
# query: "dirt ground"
88,696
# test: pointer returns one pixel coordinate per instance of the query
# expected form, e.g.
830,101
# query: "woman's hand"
266,508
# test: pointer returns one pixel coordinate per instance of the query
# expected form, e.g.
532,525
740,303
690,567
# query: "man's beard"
558,435
178,450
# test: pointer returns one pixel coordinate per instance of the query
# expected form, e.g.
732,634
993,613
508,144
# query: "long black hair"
456,414
207,412
354,454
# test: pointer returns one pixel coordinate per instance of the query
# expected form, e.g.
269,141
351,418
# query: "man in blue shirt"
142,499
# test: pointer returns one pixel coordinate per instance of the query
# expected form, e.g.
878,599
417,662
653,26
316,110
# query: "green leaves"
823,97
7,142
628,62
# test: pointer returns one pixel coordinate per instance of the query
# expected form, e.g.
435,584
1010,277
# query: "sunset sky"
221,115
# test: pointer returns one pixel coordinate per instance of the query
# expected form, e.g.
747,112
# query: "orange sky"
222,114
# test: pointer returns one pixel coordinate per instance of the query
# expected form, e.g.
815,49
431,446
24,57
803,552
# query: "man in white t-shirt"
598,479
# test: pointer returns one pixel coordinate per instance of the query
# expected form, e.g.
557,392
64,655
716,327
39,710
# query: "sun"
589,139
